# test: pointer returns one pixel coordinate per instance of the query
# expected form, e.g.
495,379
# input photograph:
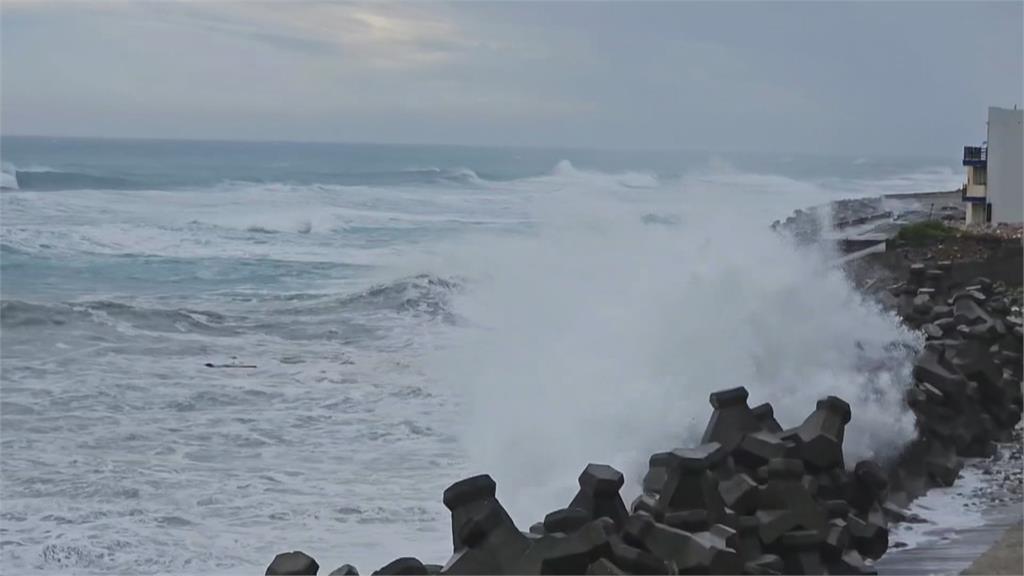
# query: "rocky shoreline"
756,497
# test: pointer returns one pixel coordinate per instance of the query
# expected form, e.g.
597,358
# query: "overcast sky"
802,77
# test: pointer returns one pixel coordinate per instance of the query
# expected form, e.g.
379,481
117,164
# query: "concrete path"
1004,557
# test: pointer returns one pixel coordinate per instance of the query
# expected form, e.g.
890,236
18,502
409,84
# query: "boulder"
765,416
294,563
748,542
690,485
801,552
870,485
403,566
764,564
757,448
688,520
929,368
346,570
739,493
785,504
634,560
603,566
644,503
932,331
485,538
837,539
942,464
821,434
730,420
692,553
566,520
599,496
571,554
851,562
967,311
464,498
657,472
870,538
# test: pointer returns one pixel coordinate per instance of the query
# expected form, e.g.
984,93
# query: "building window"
980,176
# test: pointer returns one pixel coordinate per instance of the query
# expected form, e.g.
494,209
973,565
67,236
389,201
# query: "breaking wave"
599,338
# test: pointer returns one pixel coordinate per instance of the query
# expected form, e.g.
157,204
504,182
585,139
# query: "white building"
994,192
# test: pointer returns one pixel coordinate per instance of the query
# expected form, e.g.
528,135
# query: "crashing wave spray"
598,337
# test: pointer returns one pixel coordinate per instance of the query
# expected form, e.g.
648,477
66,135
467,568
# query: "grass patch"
925,232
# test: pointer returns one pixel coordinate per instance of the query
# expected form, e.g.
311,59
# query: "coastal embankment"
759,496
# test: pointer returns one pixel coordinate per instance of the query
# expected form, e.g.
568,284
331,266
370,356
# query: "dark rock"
870,486
851,562
566,520
701,553
645,503
870,539
599,493
346,570
934,278
837,508
932,331
749,543
785,504
433,568
603,566
757,448
928,367
688,520
942,464
837,539
923,305
690,485
774,523
571,554
821,434
765,416
294,563
739,493
403,566
601,479
896,514
966,311
730,420
635,530
800,551
467,499
471,489
765,564
487,539
833,485
657,472
537,528
634,560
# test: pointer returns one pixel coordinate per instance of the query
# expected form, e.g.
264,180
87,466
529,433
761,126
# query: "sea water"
412,315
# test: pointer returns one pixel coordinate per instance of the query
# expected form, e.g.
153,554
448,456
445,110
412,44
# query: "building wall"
1005,175
975,213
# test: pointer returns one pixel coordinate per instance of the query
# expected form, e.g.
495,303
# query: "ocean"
407,316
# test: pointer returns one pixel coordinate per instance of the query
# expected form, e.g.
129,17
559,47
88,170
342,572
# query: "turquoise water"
409,310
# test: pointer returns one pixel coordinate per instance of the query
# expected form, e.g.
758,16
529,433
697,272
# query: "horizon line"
552,147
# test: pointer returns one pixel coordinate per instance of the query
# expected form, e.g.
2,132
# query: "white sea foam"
600,337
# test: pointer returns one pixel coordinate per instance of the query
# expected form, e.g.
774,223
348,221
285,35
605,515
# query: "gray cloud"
855,78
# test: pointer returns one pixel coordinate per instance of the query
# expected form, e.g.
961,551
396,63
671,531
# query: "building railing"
975,155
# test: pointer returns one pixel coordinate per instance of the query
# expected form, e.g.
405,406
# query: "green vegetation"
925,232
